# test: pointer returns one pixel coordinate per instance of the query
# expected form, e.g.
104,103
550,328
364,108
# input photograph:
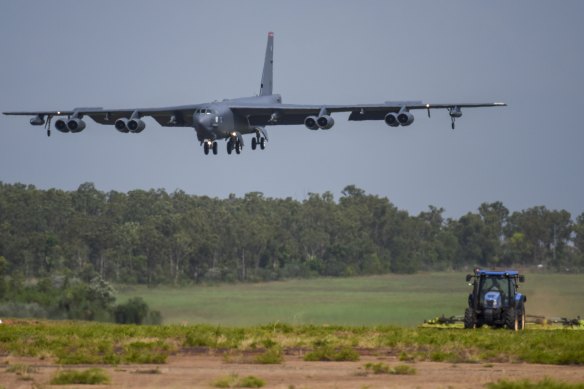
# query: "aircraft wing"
180,116
282,114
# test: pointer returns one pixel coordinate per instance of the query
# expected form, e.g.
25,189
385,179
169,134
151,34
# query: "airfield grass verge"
74,343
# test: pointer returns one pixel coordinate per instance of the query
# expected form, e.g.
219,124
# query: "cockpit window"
205,111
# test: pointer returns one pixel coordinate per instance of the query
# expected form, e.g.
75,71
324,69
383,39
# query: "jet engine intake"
325,122
75,125
391,120
122,125
136,125
311,122
61,125
405,118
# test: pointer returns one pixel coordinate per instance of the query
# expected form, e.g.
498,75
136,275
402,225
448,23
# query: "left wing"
282,114
180,116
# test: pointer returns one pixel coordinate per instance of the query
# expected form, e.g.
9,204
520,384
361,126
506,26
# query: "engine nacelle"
136,125
122,125
405,118
325,122
75,125
37,120
61,125
311,123
391,120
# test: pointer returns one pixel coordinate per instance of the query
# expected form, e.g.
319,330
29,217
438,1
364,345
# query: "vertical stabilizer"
268,73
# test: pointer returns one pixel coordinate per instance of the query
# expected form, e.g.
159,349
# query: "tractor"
494,300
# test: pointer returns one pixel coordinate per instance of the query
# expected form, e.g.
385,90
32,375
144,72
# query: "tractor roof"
497,273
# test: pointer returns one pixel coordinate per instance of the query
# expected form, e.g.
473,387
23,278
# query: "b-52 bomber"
231,119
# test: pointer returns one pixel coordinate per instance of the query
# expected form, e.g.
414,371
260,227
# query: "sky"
61,54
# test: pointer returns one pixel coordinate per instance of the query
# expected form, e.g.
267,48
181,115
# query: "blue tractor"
494,300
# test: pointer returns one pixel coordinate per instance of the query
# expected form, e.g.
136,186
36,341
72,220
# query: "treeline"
152,237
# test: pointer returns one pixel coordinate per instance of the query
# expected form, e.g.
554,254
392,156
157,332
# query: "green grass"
330,353
378,300
271,356
85,377
233,381
546,383
101,343
382,368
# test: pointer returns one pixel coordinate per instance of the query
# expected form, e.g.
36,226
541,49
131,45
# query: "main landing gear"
258,140
208,145
234,145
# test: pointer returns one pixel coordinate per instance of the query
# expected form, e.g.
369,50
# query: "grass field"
377,300
74,343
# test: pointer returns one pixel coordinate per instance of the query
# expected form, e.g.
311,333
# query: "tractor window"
496,284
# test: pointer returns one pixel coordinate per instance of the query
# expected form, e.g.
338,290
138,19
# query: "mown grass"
99,343
404,300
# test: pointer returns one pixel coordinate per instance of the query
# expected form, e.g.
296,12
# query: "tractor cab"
494,300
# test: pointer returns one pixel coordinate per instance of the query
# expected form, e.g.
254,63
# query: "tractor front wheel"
521,318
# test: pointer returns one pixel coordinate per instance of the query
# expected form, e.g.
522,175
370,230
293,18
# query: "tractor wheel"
469,319
511,319
521,319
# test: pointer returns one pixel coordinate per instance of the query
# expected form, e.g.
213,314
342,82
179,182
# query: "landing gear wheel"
238,147
254,143
206,148
229,147
214,148
48,132
262,143
469,319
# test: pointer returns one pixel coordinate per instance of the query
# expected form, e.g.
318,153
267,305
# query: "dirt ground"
200,371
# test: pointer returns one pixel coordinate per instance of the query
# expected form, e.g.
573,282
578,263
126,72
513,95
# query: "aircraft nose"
199,120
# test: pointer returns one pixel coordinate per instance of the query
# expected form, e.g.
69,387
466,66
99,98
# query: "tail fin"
268,73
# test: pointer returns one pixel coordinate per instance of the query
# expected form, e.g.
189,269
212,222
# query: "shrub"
271,356
328,353
382,368
233,381
250,382
132,312
403,370
377,368
85,377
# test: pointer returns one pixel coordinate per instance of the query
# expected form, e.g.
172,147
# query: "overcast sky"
124,54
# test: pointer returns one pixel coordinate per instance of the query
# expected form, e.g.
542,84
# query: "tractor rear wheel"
469,319
511,320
